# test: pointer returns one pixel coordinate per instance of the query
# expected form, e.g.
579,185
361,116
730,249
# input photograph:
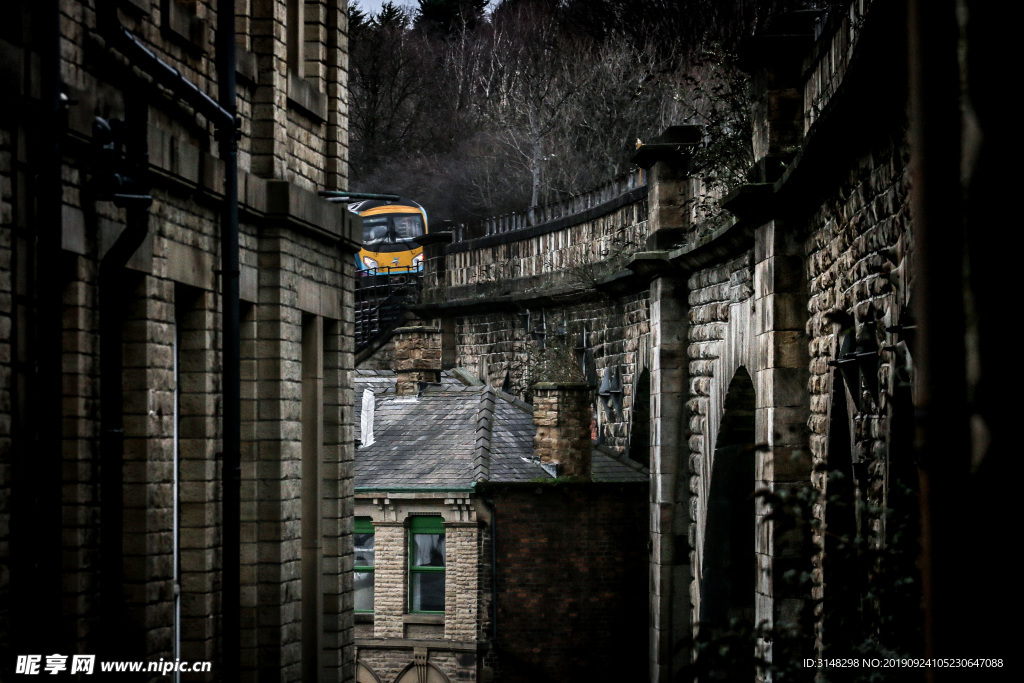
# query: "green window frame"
427,565
364,565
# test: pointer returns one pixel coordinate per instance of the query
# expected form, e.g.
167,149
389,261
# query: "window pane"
428,592
408,227
428,550
363,584
375,229
364,550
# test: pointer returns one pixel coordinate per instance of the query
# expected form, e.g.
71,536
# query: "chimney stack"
562,415
417,358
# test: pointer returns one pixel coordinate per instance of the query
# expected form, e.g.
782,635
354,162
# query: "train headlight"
369,262
417,262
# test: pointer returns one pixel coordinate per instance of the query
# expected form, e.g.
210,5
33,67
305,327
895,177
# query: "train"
390,230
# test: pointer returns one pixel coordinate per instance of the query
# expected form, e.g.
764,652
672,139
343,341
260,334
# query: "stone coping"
631,197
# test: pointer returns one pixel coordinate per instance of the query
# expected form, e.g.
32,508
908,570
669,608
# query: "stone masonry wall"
829,68
561,412
534,296
711,294
390,592
417,358
856,241
388,668
462,542
718,295
297,113
566,253
297,299
397,636
599,335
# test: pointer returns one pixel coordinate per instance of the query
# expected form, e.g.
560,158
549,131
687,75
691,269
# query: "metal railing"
382,296
576,204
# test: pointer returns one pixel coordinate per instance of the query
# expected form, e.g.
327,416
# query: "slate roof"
435,440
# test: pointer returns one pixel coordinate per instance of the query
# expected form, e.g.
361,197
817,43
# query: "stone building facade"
780,347
111,471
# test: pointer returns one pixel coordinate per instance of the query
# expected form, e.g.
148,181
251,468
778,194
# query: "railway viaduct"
754,350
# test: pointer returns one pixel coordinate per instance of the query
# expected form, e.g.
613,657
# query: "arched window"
365,674
422,672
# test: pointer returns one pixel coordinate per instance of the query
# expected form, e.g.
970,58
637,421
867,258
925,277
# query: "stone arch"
640,420
735,356
729,571
422,672
364,674
841,577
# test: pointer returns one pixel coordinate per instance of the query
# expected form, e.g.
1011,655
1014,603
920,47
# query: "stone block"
781,387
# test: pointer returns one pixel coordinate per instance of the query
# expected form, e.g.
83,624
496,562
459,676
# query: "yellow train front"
390,230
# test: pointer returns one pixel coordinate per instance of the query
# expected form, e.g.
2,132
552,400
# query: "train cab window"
391,228
408,227
375,229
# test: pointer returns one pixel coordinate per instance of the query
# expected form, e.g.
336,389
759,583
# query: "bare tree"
534,77
542,99
387,83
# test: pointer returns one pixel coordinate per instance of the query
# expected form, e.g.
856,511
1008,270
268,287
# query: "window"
392,228
363,577
426,564
296,35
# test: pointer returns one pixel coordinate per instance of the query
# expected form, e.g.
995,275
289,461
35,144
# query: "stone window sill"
423,619
139,6
303,95
248,69
364,617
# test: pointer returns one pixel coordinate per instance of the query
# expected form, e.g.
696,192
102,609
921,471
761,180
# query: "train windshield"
392,228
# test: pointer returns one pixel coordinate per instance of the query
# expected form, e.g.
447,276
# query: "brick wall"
593,625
